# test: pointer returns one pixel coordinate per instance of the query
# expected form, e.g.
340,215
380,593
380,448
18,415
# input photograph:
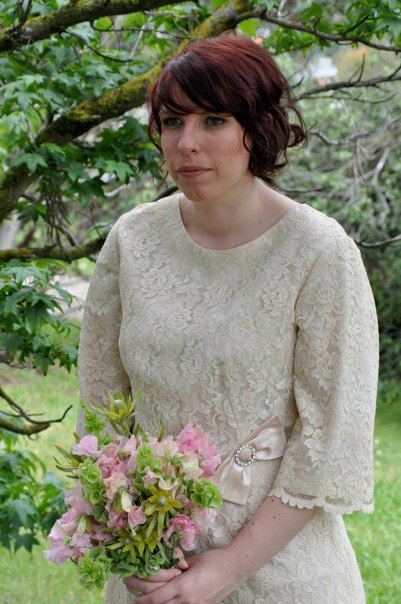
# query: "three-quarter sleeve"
328,459
100,369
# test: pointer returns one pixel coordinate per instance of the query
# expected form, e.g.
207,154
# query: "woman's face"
205,154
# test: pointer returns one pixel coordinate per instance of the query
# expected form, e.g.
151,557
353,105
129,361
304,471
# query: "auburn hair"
235,76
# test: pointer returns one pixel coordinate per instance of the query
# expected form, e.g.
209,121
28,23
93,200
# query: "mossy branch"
21,422
13,425
111,104
56,22
54,252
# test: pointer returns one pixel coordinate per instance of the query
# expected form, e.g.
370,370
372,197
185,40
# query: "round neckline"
237,248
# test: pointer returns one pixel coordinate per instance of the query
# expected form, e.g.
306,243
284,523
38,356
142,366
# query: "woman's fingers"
182,563
152,582
164,593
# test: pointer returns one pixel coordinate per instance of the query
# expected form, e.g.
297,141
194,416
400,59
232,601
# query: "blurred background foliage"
74,155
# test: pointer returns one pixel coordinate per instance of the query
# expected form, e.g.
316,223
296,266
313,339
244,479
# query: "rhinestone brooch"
245,455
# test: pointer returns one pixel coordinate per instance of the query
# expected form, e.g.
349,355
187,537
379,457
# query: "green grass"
376,538
32,579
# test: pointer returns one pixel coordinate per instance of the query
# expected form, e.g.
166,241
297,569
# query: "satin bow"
266,442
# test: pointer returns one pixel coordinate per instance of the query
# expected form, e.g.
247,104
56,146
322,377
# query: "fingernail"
177,572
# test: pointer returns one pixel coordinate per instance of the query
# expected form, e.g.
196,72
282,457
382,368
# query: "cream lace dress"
282,326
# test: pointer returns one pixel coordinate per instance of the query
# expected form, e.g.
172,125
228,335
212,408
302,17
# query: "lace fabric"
282,326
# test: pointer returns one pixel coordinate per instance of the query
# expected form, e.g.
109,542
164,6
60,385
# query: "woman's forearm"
266,533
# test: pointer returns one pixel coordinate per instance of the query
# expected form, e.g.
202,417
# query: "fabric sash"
233,476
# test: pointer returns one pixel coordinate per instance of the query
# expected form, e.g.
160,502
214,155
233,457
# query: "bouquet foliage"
136,497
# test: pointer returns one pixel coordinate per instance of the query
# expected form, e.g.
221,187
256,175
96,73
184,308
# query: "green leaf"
314,11
32,161
217,3
249,26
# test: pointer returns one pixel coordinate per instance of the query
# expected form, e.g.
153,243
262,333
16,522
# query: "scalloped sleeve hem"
320,502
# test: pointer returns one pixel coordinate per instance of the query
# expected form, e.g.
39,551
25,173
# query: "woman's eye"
214,121
171,121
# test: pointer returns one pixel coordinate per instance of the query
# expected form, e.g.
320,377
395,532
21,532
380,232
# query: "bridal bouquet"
136,497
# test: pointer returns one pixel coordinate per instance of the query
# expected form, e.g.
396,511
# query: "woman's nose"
190,140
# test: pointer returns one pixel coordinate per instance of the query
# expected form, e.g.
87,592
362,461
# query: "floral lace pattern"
283,325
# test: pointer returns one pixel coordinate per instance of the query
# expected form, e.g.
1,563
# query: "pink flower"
106,464
88,445
204,517
211,459
136,516
121,467
188,438
110,450
150,477
58,552
168,446
186,530
82,541
69,521
98,534
73,497
113,483
190,466
130,446
117,520
131,463
56,533
191,439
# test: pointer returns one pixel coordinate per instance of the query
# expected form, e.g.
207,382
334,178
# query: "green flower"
145,458
93,569
91,478
94,423
206,494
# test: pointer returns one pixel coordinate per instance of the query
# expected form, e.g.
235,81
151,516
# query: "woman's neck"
227,223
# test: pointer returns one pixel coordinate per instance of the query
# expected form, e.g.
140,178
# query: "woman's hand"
134,584
208,580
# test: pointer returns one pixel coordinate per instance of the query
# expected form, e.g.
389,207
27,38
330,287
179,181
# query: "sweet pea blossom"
186,530
58,552
150,477
113,483
130,445
168,446
188,438
88,445
136,516
117,520
74,498
211,458
131,463
81,541
204,517
190,466
69,521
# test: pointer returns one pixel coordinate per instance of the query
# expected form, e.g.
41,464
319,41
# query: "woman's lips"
192,171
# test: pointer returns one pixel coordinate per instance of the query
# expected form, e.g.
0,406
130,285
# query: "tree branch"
96,51
111,104
13,423
353,137
56,22
378,244
54,252
338,38
357,83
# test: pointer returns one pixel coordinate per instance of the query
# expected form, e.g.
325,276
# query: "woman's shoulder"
320,232
149,213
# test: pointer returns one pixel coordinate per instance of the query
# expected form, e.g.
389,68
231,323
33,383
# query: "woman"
239,309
